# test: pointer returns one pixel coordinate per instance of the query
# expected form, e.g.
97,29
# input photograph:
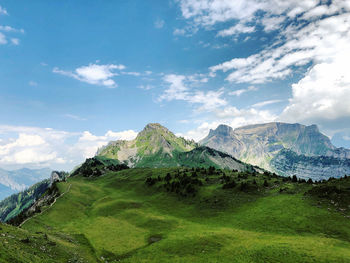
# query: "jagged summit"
154,126
222,129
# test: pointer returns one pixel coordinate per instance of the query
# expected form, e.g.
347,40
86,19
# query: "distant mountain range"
155,146
286,149
17,180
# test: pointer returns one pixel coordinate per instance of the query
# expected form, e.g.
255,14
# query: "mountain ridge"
259,144
156,146
13,181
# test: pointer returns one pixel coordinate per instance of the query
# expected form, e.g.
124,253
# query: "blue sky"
76,74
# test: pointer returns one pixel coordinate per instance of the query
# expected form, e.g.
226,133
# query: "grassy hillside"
199,215
19,245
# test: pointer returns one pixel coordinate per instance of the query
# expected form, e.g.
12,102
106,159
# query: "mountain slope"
261,218
155,146
15,204
261,144
17,180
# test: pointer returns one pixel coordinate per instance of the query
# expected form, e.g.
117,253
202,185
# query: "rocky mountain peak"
154,128
221,130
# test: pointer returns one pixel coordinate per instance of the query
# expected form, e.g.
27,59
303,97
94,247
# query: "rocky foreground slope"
284,148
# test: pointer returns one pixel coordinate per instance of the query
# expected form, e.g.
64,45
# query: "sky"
75,75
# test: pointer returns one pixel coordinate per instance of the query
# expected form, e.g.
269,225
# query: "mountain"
155,146
15,204
265,144
17,180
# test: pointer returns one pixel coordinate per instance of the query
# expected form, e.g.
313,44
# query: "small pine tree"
167,177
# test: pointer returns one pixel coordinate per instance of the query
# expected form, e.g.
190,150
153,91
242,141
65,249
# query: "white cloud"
236,29
146,87
315,39
123,135
159,23
178,89
3,39
94,74
265,103
210,12
10,29
239,92
3,11
272,23
41,147
179,32
324,92
131,73
15,41
74,117
32,83
306,42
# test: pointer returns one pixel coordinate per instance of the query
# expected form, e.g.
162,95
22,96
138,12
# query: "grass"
118,218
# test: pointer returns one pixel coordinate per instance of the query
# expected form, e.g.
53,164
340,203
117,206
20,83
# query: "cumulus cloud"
44,147
323,93
94,74
312,38
179,89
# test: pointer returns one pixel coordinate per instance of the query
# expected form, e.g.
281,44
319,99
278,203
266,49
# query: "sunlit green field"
118,218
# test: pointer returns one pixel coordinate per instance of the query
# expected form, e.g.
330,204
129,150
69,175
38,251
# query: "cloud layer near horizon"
44,147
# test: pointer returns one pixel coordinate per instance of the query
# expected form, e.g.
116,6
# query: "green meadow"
119,218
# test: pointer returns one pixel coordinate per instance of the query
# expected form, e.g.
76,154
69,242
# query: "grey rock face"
261,143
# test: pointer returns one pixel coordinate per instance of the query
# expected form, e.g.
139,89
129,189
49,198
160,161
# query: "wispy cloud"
32,83
10,29
239,92
3,11
74,117
236,29
179,32
159,23
265,103
146,87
